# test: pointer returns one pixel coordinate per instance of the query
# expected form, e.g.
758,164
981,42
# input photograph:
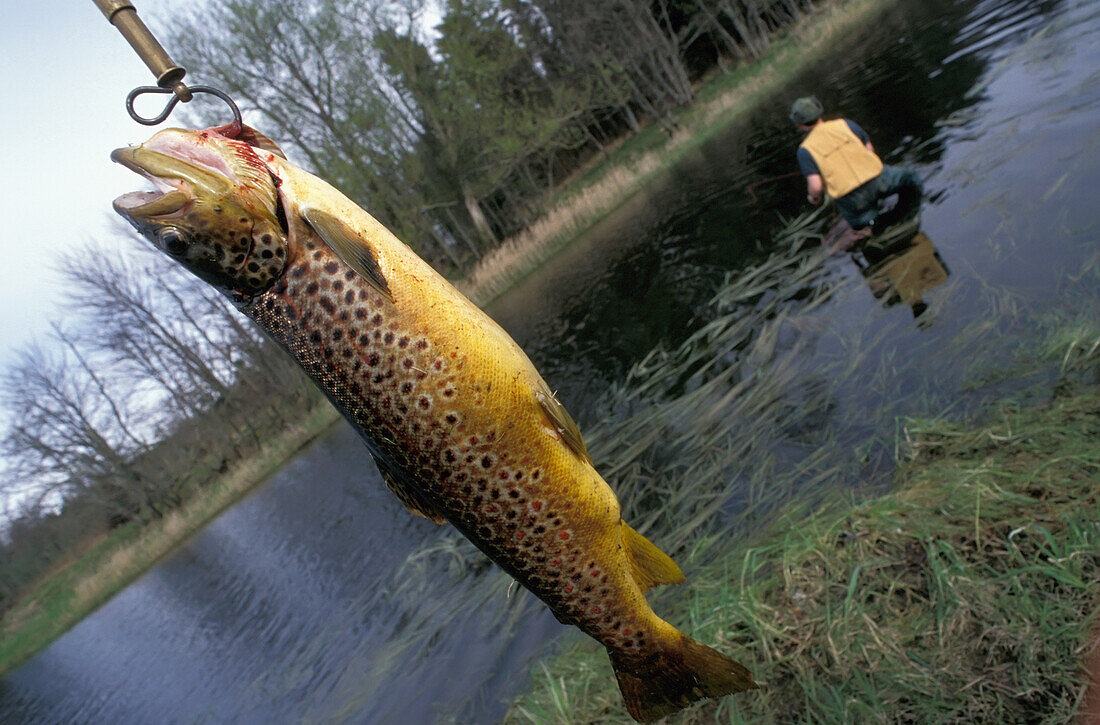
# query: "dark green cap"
806,110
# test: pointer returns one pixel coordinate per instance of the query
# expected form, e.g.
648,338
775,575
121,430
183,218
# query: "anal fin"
649,565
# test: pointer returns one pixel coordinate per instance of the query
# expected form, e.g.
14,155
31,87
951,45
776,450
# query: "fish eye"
172,240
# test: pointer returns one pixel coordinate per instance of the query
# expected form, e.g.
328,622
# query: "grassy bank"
721,101
108,565
963,596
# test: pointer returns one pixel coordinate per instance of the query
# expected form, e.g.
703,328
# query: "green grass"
963,596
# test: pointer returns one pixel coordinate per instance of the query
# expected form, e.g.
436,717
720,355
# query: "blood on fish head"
214,209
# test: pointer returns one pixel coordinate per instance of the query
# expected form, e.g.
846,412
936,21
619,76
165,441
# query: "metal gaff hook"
141,90
123,15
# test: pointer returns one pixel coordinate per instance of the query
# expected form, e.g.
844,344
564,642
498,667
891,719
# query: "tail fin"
661,684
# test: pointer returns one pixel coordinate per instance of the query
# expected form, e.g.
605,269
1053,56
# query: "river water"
315,600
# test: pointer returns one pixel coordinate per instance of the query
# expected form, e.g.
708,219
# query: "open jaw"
152,203
176,182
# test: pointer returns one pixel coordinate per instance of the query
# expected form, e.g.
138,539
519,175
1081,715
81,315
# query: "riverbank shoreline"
113,562
969,591
84,584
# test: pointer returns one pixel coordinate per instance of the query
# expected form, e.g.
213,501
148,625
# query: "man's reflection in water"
899,266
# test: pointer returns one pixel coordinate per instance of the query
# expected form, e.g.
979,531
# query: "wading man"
837,158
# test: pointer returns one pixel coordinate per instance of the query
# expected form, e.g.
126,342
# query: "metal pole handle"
123,16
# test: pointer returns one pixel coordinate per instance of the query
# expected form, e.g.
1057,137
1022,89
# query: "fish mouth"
177,183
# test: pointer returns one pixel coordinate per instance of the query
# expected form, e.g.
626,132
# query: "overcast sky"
64,76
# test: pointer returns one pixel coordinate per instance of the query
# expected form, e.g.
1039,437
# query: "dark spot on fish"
327,305
349,275
332,267
299,271
407,363
451,418
349,298
312,288
388,339
318,254
487,462
513,493
377,319
267,254
337,286
403,343
406,388
315,336
337,334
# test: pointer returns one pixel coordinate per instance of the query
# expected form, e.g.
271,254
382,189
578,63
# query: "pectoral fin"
649,565
406,491
349,246
558,418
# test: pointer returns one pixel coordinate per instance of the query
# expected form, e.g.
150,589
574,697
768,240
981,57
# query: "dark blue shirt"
806,161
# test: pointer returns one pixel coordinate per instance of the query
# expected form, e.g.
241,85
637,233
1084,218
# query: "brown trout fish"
461,425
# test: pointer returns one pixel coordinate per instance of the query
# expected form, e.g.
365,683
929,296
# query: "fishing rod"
123,15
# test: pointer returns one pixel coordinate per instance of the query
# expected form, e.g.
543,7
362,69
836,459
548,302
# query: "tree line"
453,124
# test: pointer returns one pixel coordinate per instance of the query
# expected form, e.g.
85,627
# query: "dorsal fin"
349,246
558,417
407,492
649,565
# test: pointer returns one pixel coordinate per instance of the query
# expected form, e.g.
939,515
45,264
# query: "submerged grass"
963,596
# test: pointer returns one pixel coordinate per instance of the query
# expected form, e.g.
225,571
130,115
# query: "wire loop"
141,90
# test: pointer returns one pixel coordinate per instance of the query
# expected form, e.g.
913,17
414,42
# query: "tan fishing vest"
843,160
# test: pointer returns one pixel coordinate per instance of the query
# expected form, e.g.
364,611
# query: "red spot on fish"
536,505
627,632
595,572
594,610
564,536
556,562
492,509
520,535
569,589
